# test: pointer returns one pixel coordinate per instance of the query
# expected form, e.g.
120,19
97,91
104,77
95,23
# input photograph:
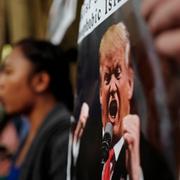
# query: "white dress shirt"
117,149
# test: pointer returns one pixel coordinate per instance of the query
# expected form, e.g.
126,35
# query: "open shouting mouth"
113,108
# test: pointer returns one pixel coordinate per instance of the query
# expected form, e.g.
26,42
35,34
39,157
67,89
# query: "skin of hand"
163,19
79,129
84,114
131,135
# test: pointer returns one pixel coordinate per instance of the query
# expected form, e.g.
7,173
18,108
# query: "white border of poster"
92,17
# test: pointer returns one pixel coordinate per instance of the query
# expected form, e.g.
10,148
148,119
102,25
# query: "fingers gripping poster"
121,101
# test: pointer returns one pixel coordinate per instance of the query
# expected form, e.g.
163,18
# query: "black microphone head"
106,142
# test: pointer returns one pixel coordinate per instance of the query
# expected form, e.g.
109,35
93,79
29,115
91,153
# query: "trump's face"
116,88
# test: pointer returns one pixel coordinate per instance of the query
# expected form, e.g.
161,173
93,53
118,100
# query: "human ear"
100,84
130,83
100,94
40,82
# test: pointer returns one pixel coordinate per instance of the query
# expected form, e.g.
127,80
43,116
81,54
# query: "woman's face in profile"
16,93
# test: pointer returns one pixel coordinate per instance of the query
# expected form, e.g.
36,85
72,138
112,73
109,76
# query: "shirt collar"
117,148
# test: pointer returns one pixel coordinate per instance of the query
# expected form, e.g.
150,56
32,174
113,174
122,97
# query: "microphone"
106,142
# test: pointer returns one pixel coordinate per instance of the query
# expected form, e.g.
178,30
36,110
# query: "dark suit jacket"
120,168
47,157
153,164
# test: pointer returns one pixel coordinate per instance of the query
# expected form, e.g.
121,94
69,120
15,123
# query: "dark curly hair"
50,58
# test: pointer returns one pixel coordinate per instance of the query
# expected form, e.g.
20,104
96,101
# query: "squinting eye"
107,78
117,73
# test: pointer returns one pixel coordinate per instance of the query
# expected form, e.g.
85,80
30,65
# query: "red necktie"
107,170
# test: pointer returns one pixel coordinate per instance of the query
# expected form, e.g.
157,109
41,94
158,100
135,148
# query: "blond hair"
114,38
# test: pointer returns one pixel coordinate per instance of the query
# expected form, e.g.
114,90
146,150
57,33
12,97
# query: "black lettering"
93,19
110,5
89,24
99,14
105,6
96,17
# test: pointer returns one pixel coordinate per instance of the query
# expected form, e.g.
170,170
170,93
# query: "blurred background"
40,19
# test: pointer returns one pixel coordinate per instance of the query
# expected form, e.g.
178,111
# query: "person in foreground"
132,156
116,90
35,83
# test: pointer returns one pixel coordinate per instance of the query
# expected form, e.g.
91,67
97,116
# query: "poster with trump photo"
121,100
